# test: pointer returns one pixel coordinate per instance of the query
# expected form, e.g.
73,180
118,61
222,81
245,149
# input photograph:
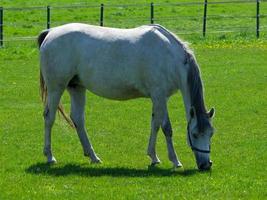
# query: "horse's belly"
116,93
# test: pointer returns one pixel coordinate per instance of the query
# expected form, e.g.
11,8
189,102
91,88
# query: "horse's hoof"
96,161
51,160
177,167
153,164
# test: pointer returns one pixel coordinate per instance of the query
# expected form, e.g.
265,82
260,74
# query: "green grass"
235,77
183,19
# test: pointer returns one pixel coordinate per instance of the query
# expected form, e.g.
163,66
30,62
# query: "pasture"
235,78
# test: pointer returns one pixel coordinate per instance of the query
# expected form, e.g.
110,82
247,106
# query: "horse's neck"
197,101
187,101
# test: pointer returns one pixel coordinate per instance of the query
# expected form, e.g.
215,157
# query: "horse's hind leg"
78,98
53,98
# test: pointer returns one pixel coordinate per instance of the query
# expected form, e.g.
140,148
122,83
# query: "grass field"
234,71
224,21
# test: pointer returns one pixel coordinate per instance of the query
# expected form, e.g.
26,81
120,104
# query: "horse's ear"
211,113
192,112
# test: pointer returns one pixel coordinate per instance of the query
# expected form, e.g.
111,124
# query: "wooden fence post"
1,26
205,18
48,22
101,14
152,13
258,19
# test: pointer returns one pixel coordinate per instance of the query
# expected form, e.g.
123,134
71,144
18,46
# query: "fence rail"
152,15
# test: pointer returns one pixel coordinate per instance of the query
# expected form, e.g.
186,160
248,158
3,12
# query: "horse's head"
199,133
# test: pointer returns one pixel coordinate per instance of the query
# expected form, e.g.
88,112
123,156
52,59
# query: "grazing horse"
147,61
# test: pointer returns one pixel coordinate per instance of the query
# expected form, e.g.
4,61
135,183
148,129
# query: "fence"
151,12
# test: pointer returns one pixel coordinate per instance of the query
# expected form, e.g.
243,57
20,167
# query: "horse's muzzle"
205,166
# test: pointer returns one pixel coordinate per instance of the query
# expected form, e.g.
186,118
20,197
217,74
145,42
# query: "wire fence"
200,18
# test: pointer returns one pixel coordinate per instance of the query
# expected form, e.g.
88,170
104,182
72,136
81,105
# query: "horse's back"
96,32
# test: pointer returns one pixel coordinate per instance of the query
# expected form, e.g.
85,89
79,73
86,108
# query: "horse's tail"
42,36
43,87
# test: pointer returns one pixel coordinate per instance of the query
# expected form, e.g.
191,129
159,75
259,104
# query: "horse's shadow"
98,171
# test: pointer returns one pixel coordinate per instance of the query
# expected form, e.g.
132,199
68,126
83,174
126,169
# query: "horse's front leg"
167,130
157,117
151,150
78,99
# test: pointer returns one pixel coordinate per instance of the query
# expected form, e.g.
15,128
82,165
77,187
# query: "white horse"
147,61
